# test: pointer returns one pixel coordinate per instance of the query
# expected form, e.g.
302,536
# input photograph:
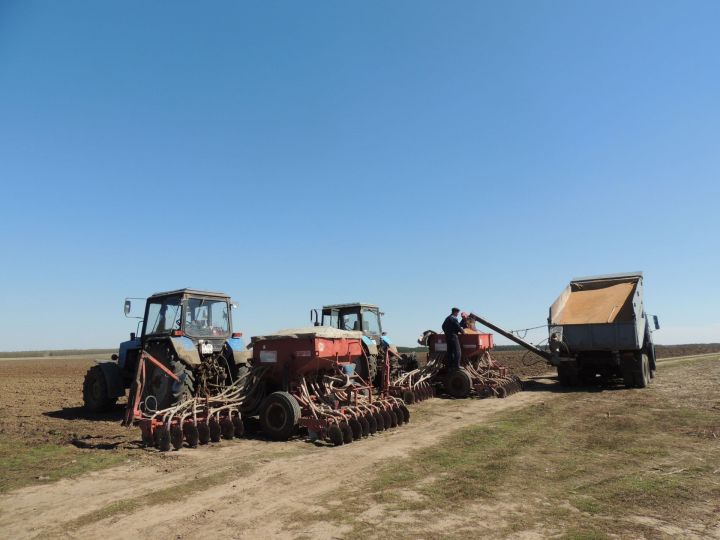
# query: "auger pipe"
512,337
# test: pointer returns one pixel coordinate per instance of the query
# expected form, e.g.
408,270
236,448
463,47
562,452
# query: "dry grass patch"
580,465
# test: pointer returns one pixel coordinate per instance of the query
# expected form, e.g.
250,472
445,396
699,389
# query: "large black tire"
366,367
279,415
95,391
642,371
458,384
165,389
568,375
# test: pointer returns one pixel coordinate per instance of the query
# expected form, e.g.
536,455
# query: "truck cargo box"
601,313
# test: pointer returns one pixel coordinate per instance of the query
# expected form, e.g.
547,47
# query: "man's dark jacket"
451,326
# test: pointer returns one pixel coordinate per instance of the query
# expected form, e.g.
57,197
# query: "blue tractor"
186,332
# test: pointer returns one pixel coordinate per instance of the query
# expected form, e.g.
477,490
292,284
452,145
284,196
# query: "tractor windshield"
371,322
163,315
207,317
349,321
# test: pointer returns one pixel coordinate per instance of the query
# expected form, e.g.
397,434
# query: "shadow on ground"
81,413
545,384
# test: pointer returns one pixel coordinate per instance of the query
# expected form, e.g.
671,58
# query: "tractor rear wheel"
279,415
366,367
95,391
166,390
459,384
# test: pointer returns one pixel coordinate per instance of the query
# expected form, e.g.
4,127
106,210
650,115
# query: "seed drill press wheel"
459,384
279,415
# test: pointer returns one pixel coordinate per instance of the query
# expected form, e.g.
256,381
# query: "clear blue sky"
412,154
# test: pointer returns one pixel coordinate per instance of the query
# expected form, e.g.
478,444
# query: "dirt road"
253,486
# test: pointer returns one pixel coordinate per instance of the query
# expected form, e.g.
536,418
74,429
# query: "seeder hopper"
308,380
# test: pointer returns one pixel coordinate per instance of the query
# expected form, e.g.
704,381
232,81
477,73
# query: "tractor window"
350,321
371,322
330,319
163,316
207,318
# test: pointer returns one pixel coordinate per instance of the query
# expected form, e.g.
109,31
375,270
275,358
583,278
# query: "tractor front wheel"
95,391
279,415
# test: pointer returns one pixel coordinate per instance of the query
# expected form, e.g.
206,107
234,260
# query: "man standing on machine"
451,328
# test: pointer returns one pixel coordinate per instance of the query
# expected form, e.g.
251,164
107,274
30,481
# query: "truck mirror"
657,323
128,305
234,306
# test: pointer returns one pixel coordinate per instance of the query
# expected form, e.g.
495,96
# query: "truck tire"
459,384
95,391
568,375
642,371
279,415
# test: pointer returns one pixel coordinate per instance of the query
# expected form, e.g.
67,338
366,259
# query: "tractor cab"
357,317
186,330
197,315
365,318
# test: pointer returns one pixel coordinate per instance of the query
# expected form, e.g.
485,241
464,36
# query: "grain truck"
598,330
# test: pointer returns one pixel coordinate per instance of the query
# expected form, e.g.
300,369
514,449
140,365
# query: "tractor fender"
186,351
113,379
240,355
370,345
126,348
389,344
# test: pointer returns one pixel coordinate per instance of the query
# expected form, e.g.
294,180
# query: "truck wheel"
568,376
279,414
653,368
95,391
459,384
642,372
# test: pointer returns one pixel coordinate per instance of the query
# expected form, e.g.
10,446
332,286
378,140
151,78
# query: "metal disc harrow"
340,411
480,376
413,386
197,420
